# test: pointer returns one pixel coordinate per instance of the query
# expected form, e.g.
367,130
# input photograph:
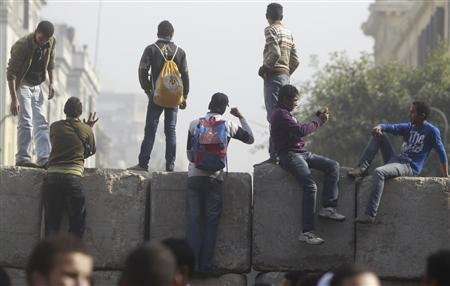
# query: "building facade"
407,31
73,74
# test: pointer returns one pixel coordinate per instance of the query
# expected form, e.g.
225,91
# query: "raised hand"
376,131
91,119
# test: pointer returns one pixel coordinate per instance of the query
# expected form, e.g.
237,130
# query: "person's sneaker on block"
310,238
357,172
137,168
28,165
331,213
365,219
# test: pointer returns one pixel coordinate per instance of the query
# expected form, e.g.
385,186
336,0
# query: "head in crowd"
218,103
354,276
438,269
165,30
274,12
73,107
4,278
288,97
60,261
149,265
291,278
43,32
419,112
184,256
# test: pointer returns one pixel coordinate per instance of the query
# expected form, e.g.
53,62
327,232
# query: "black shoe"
357,172
268,161
28,165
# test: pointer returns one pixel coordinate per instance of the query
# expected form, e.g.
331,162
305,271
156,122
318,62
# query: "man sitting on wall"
420,137
288,138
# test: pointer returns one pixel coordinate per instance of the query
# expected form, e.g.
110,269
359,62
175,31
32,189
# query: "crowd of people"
63,260
163,76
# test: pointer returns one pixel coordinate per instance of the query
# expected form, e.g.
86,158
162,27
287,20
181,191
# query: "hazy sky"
223,41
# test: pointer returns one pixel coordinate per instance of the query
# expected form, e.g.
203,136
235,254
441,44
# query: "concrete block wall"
259,228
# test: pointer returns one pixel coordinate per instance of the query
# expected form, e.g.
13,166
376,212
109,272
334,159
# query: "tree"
361,95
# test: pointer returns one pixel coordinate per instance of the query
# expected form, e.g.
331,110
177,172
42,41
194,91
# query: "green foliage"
361,95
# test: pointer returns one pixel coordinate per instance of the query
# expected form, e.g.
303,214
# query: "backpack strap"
162,54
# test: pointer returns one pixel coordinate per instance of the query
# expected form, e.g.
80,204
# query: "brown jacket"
21,56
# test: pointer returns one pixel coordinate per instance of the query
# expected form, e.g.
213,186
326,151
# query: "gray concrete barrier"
20,214
167,219
412,222
277,223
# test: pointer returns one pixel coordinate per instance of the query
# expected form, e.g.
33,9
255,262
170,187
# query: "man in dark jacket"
152,62
31,58
288,138
72,142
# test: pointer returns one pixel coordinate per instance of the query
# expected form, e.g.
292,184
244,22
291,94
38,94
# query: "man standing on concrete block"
60,261
72,142
420,137
288,138
31,58
208,138
154,60
280,62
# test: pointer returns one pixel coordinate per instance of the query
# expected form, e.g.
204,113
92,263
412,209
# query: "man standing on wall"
31,57
153,60
280,62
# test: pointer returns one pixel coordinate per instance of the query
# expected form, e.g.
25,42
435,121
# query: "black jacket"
153,60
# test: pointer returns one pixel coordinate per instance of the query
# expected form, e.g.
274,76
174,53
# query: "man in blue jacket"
419,136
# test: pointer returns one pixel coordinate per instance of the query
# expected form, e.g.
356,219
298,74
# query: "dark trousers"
151,125
204,205
64,192
299,164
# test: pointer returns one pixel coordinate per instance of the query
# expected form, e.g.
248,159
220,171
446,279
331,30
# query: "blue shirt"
418,142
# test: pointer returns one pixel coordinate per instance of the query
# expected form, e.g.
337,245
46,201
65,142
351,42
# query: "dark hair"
43,257
46,28
288,91
183,253
422,109
4,278
165,29
218,103
346,272
438,265
149,265
73,107
274,12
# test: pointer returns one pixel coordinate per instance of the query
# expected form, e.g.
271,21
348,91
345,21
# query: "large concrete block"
115,206
412,222
20,214
106,278
167,218
225,280
277,223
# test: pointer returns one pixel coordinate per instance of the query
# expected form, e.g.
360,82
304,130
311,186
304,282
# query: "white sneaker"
310,238
331,213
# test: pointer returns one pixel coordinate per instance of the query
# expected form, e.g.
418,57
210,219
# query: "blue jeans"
204,203
32,123
272,86
151,125
64,192
394,167
299,164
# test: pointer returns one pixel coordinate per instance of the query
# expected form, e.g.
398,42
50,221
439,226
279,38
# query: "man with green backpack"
163,75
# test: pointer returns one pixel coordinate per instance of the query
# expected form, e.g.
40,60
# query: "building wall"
74,75
407,31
